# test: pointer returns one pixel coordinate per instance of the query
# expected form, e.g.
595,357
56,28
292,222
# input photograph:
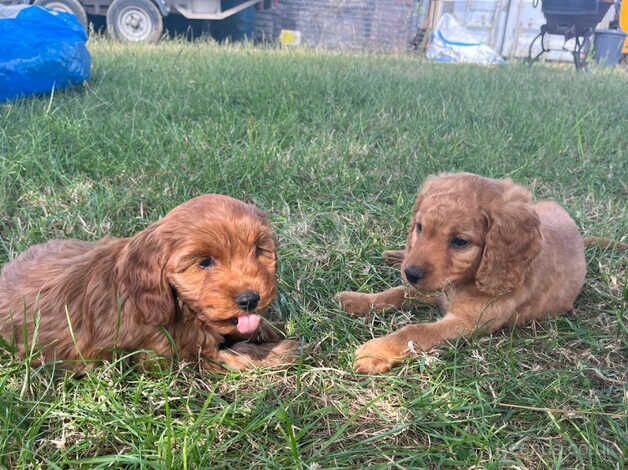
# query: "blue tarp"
40,50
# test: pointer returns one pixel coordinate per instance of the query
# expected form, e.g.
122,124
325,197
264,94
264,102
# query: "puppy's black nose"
414,274
247,300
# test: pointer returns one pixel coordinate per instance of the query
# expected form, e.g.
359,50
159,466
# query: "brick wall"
347,24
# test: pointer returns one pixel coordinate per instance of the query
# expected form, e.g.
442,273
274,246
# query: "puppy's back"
562,256
23,279
36,259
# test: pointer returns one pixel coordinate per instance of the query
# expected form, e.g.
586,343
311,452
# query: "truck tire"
68,6
134,21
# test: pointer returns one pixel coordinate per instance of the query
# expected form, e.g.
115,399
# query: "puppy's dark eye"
206,263
419,228
458,242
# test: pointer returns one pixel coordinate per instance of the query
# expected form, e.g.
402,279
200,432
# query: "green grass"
333,147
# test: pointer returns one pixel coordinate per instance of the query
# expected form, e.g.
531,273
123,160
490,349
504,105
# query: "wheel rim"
59,6
134,24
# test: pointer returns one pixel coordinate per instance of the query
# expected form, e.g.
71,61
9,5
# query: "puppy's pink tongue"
248,323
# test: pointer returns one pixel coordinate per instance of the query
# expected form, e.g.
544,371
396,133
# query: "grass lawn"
333,146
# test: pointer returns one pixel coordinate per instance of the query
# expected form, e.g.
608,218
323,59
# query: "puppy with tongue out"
247,323
204,273
225,285
224,281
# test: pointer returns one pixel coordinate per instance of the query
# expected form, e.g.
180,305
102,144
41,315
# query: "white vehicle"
142,20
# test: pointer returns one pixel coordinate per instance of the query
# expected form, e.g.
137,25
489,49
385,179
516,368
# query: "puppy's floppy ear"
263,218
141,273
269,236
259,213
512,242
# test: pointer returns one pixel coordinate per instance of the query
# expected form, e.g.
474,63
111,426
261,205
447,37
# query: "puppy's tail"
604,243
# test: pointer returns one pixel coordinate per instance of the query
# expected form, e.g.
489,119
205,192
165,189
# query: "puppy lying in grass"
190,283
484,252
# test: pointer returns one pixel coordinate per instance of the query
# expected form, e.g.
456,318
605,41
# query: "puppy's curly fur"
171,289
483,251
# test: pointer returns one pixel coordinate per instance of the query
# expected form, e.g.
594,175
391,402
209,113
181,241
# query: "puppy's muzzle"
247,300
414,274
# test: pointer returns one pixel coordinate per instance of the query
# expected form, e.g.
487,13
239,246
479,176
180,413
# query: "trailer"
142,20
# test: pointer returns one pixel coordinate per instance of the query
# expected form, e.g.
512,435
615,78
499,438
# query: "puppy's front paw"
272,354
378,355
268,332
283,352
354,302
245,355
393,257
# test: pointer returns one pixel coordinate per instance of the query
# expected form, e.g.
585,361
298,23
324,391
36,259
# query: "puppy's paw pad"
354,302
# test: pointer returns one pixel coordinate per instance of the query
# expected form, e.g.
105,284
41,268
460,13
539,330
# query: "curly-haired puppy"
487,254
186,285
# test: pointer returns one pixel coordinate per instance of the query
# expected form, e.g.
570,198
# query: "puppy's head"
469,229
216,254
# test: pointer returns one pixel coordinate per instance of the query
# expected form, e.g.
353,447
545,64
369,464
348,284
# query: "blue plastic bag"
40,50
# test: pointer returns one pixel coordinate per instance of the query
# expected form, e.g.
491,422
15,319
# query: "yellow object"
623,22
289,37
